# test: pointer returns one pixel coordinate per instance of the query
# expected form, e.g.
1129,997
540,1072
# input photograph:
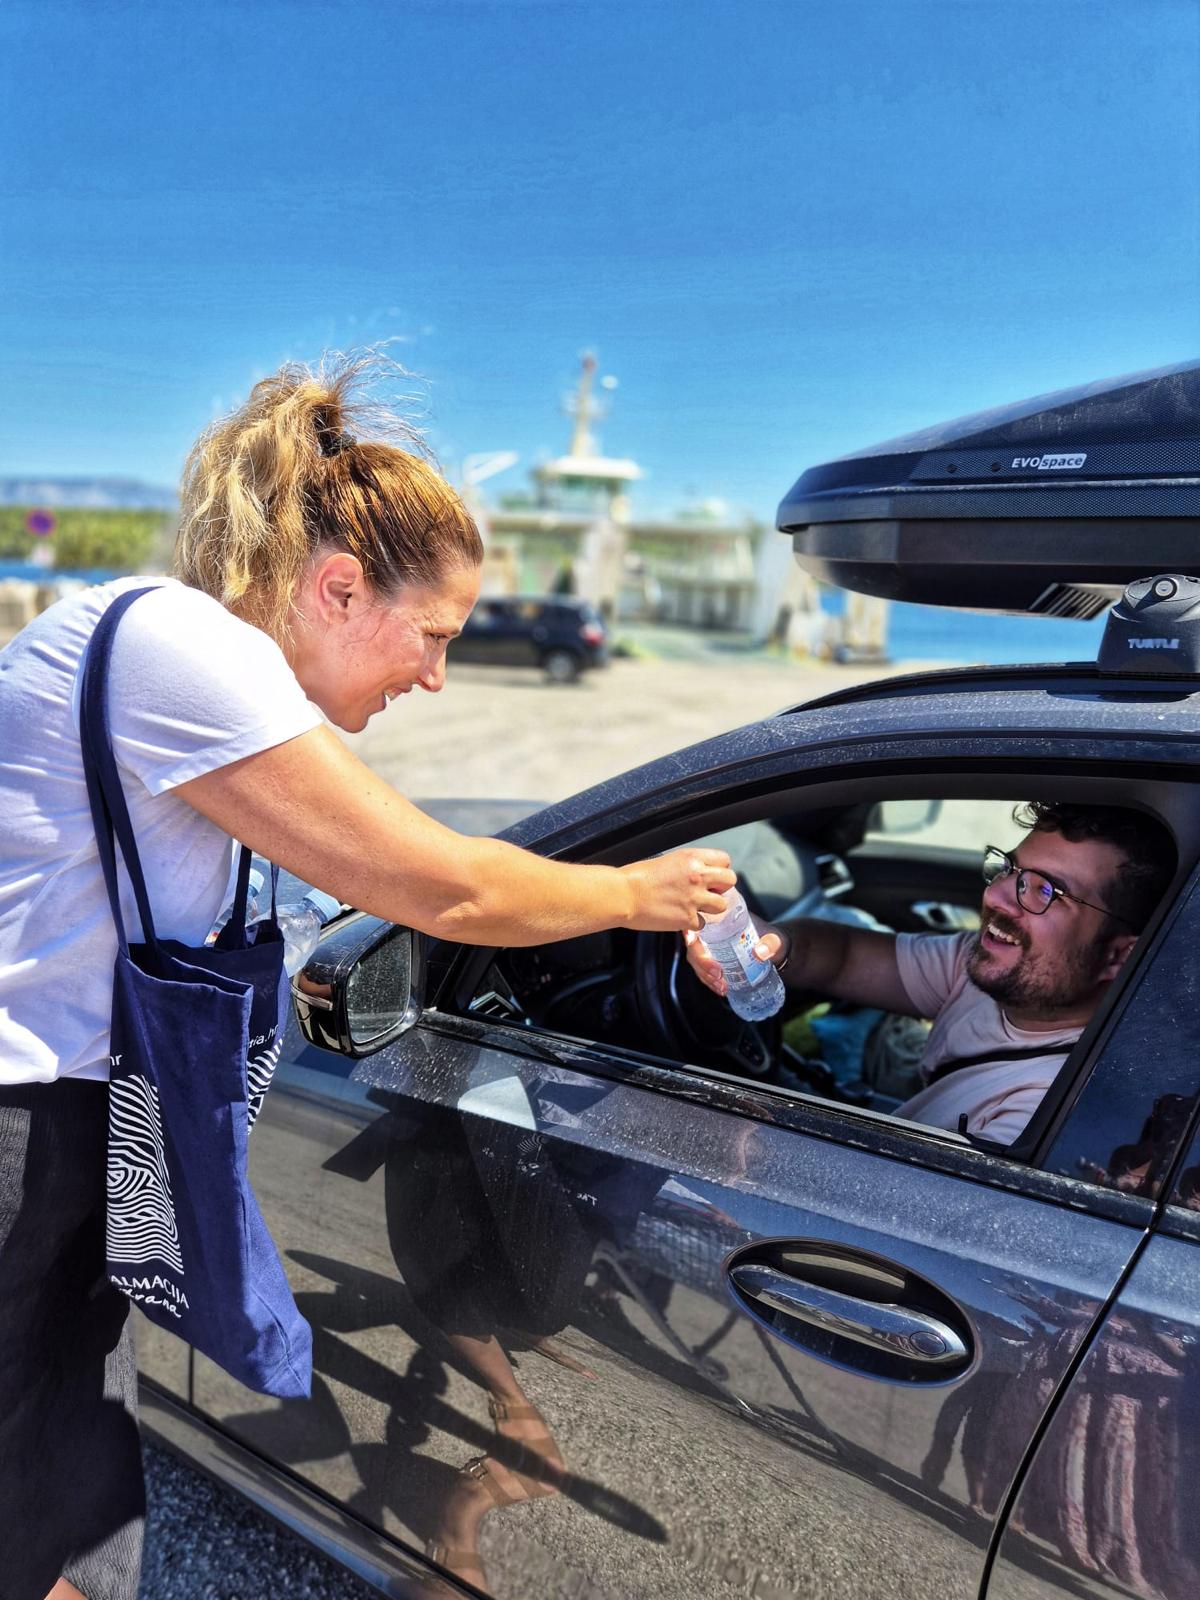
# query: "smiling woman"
358,653
355,555
319,575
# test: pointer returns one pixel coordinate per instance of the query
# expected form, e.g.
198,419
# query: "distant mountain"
124,494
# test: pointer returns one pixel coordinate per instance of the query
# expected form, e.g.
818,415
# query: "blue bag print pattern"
141,1224
260,1069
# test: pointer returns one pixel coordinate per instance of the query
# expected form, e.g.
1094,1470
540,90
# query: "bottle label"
737,958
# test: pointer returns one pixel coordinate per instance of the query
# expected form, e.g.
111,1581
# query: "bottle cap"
327,906
731,898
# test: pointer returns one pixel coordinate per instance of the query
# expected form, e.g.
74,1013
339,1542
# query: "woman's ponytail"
289,474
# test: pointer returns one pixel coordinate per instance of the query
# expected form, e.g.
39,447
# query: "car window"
958,824
636,993
945,1054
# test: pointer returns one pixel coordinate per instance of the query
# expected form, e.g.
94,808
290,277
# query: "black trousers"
72,1500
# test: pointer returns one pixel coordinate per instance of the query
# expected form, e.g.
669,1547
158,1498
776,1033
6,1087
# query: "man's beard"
1031,983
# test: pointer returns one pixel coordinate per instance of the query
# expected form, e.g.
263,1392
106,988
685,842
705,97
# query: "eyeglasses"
1036,892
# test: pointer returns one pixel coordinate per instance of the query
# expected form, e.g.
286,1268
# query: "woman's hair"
290,474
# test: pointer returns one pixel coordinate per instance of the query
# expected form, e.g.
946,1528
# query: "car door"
792,1350
1109,1501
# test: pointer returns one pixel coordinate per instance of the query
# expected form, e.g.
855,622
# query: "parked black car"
783,1342
563,637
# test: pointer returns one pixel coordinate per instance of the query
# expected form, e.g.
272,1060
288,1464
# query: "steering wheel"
685,1019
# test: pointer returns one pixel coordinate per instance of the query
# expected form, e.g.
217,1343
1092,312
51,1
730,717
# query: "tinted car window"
1146,1077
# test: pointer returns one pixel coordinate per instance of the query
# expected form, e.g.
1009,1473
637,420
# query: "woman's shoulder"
182,622
168,597
190,682
173,635
167,603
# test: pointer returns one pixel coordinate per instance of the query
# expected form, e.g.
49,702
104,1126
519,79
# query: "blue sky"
788,229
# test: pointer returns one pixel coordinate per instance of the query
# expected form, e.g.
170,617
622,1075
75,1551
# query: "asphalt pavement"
203,1543
505,733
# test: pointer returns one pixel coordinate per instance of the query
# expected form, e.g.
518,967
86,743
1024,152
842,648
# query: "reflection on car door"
683,1310
1111,1495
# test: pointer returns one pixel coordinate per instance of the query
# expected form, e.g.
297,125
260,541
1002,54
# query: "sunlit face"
364,651
1056,963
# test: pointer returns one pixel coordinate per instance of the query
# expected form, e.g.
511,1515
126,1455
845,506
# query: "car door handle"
885,1326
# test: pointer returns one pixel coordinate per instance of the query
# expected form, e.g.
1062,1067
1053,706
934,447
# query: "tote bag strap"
110,813
233,935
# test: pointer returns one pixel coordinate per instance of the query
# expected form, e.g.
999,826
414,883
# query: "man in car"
1060,915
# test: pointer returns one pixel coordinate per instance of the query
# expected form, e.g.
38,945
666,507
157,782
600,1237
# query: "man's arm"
832,959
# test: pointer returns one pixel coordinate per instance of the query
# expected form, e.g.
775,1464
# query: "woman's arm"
312,806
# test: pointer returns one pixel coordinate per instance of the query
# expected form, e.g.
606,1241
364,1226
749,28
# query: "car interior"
894,859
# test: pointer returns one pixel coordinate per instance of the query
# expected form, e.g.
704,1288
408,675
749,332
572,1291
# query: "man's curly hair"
1147,846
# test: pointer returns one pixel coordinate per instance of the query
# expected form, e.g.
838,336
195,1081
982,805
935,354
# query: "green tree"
118,541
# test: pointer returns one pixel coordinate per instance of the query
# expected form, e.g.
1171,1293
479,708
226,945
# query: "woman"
316,574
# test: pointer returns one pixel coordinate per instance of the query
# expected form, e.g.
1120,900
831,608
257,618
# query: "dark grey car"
780,1341
562,636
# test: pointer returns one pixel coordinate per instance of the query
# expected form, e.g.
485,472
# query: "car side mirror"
362,988
903,816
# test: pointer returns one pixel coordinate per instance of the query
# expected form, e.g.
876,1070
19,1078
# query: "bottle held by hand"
755,988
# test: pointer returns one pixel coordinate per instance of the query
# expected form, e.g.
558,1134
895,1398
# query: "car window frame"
1073,1106
1023,1169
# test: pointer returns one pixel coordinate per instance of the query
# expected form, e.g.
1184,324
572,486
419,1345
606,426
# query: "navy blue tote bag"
195,1036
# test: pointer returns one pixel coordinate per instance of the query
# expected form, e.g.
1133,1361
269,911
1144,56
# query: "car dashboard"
596,987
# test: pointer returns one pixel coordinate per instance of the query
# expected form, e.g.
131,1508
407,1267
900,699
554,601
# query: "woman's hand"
671,892
772,946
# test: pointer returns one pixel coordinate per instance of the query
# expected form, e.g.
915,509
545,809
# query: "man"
1060,915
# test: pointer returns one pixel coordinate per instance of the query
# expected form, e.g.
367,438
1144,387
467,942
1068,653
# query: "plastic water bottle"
755,988
300,924
256,886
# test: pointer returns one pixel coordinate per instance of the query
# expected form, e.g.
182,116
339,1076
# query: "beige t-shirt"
998,1098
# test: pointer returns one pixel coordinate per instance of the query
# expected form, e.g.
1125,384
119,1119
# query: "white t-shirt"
191,688
998,1098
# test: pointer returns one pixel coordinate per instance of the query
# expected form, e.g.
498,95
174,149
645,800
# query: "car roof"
1071,694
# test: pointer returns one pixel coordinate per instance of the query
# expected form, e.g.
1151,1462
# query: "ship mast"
583,410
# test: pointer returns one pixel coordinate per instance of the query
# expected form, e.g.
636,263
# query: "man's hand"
772,946
830,959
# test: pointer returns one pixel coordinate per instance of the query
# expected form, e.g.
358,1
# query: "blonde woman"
319,575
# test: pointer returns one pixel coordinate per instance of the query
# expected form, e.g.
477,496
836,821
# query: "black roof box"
1050,505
